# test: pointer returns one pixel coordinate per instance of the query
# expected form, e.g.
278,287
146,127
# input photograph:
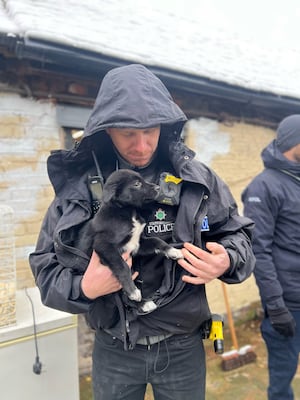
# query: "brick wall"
233,151
28,132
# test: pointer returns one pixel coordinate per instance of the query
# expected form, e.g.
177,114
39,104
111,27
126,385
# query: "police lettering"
159,228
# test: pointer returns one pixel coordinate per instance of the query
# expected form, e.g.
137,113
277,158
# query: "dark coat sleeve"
58,278
233,231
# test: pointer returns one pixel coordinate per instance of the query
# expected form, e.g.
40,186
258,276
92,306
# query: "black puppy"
118,225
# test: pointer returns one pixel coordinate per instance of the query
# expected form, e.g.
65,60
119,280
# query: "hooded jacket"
133,97
272,200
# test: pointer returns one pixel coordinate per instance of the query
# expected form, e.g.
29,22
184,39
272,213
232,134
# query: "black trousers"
283,355
175,367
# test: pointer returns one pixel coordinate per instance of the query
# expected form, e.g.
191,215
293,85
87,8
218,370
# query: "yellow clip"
216,333
172,178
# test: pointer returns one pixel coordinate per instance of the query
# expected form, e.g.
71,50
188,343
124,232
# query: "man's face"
136,146
293,154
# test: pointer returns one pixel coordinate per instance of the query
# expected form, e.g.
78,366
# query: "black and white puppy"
117,227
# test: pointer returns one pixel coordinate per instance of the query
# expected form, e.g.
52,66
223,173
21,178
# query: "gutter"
95,64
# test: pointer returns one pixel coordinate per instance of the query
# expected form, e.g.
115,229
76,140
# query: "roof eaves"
94,63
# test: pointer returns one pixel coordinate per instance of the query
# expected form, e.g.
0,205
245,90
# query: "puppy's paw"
148,306
136,295
174,254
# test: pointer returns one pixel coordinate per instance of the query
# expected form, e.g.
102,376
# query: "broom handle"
230,319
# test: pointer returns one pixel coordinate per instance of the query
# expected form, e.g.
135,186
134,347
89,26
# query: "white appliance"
55,343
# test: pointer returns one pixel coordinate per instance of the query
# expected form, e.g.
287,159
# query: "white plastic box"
57,349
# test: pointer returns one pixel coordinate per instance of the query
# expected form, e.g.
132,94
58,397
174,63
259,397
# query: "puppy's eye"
137,184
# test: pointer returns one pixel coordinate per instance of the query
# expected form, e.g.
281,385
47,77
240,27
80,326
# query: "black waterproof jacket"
134,97
272,200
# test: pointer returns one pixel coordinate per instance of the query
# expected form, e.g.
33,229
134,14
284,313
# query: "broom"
238,356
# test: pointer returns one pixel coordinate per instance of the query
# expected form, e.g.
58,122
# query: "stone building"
53,57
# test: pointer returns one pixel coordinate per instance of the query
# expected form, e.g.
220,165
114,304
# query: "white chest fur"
134,243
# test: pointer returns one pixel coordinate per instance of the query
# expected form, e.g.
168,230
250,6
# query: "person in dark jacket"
136,124
272,201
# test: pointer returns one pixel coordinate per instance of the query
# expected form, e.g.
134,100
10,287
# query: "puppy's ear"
109,192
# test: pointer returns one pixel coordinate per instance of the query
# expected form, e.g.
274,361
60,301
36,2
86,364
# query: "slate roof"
162,34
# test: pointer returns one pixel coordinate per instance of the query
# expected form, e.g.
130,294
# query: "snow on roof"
250,46
6,23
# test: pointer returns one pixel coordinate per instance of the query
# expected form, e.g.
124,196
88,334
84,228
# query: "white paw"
148,306
174,254
136,295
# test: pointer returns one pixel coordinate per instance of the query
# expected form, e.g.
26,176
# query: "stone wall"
233,151
7,267
28,132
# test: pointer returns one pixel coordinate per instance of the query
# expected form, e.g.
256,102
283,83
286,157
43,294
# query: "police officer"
272,200
136,124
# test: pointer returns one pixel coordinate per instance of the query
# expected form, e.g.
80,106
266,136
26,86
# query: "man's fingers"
192,279
127,258
204,265
135,275
215,248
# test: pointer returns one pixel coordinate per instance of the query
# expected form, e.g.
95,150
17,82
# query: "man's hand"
282,321
204,265
98,280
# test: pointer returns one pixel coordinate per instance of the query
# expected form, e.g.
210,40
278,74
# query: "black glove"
282,321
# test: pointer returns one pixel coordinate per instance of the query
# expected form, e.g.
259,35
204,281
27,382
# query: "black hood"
273,158
132,97
129,97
